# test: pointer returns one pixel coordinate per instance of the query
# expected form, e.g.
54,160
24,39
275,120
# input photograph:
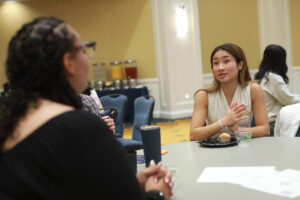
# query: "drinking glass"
243,135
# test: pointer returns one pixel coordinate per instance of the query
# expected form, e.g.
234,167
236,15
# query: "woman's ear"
240,65
68,64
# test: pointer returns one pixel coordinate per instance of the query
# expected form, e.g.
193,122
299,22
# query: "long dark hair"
244,76
274,60
34,69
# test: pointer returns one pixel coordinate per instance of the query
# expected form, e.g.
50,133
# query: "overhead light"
9,1
12,1
181,21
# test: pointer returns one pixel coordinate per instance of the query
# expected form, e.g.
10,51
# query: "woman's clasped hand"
156,177
234,114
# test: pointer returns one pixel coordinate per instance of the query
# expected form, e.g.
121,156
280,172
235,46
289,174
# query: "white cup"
174,169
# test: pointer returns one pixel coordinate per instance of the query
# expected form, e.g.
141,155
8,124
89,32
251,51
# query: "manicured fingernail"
167,180
152,162
171,185
155,180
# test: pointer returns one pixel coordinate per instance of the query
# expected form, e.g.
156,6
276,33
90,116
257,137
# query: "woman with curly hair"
50,149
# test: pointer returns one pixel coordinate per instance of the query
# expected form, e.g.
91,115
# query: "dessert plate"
215,142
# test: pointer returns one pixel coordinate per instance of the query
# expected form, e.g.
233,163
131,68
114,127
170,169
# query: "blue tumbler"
151,143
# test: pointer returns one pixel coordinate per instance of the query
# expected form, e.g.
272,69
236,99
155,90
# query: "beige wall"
295,29
122,29
234,21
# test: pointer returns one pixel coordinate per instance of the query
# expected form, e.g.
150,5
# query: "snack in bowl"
225,137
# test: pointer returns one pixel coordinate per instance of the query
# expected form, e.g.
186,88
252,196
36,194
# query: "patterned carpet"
170,131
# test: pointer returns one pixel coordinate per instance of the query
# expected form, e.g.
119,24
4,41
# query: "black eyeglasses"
88,48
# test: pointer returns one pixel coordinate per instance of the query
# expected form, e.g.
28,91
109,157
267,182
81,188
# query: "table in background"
131,93
191,159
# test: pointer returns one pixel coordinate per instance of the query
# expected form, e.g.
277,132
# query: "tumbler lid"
149,127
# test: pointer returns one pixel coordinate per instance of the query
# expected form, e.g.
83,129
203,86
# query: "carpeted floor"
171,131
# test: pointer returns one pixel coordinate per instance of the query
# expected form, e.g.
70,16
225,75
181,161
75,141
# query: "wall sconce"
181,19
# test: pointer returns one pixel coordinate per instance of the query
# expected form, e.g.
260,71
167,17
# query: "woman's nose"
221,66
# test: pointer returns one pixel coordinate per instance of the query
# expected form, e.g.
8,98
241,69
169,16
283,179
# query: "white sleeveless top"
217,105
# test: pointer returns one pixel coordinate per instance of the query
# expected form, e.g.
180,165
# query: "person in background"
272,77
90,105
232,98
92,93
50,148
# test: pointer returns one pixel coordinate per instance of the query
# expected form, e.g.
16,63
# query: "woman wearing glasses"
50,149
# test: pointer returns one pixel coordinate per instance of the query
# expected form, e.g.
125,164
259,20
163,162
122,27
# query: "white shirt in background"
288,121
277,94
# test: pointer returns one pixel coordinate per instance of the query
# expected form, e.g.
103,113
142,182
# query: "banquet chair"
118,101
253,124
109,111
143,110
298,132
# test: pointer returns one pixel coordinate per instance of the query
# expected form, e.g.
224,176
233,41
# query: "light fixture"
12,1
181,21
8,1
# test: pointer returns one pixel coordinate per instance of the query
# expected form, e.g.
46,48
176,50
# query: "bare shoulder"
255,87
201,96
255,90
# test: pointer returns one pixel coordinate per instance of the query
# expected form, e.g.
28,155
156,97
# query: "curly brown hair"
34,70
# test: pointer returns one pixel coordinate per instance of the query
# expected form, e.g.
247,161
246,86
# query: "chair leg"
132,159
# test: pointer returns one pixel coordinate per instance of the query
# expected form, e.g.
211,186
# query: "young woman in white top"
232,98
273,80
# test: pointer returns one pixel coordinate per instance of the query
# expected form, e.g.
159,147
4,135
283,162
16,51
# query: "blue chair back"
253,124
143,110
298,132
119,101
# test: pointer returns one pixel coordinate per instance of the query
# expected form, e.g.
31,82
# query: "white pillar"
178,55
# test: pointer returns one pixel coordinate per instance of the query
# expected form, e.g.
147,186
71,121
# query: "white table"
191,159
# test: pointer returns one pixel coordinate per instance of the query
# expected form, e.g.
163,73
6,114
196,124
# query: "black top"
72,156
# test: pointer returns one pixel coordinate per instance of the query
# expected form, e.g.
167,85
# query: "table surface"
191,159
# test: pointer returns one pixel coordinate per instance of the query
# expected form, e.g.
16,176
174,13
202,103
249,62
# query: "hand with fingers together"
156,177
234,114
